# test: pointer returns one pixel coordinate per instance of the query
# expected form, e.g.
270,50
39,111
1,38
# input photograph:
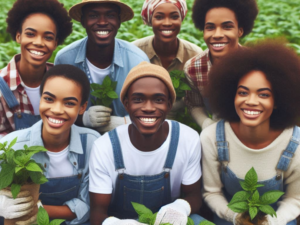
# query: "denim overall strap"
289,152
114,139
173,145
222,144
7,94
81,157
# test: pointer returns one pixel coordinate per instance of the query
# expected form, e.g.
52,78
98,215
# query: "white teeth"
167,31
36,52
55,121
218,45
148,120
102,33
252,112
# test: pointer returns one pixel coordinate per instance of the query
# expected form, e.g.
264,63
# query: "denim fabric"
79,203
231,181
22,120
126,56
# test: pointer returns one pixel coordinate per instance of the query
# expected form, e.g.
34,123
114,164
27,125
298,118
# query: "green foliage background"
277,18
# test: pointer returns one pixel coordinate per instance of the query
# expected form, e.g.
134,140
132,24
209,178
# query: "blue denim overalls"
21,120
152,191
231,181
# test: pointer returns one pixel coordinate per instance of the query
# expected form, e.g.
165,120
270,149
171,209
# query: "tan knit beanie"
145,69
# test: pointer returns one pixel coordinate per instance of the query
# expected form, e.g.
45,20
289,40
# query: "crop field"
276,19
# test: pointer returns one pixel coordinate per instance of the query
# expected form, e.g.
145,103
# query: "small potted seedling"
104,93
19,172
253,207
148,217
43,218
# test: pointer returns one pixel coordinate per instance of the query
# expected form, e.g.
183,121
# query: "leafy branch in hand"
104,93
17,167
250,200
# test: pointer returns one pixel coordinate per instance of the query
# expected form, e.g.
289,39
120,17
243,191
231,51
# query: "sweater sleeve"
212,193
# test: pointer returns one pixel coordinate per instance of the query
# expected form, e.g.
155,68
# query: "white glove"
175,213
114,122
207,122
116,221
96,116
14,208
178,104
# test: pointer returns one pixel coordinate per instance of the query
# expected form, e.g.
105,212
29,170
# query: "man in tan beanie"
151,161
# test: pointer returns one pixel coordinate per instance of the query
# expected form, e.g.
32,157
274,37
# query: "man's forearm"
59,212
97,217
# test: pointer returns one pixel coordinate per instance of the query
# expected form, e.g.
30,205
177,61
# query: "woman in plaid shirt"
38,26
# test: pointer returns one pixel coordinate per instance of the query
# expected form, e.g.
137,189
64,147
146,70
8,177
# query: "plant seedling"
179,82
104,93
18,168
249,200
43,218
148,217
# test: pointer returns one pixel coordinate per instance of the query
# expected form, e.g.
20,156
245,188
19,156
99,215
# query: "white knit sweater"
242,159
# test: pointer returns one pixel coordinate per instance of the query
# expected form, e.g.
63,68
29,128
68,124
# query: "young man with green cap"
152,161
100,54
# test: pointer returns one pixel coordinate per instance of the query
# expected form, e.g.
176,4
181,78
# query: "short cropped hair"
245,12
72,73
281,66
52,8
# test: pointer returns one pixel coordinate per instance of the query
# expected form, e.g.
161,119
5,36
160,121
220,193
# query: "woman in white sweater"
256,92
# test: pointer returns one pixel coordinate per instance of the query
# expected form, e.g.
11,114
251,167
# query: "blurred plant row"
277,18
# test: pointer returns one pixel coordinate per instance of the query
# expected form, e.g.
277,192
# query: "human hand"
114,122
96,116
14,208
175,213
116,221
207,122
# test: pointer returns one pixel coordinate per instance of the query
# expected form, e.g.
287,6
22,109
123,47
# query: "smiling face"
60,105
221,32
148,103
166,22
37,39
254,99
101,22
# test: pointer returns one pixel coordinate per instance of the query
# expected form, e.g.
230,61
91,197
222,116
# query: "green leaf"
190,221
267,210
259,185
112,94
106,102
17,169
153,219
15,189
270,197
251,178
106,82
176,83
145,218
255,196
33,166
185,87
20,158
252,212
37,149
141,209
25,147
239,207
206,222
245,186
240,196
10,156
42,216
38,177
12,143
6,175
56,222
95,86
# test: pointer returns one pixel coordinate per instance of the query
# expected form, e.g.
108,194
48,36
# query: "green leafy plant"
148,217
105,92
249,201
179,82
43,218
17,167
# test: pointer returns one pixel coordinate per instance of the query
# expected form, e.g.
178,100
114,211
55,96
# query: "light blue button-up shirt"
32,137
126,56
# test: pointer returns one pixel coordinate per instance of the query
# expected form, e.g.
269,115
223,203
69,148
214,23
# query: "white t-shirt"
60,165
186,168
98,74
34,96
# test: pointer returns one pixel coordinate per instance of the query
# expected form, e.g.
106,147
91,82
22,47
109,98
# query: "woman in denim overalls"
256,94
38,26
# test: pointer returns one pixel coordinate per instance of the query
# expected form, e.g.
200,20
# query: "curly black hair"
54,9
281,66
245,12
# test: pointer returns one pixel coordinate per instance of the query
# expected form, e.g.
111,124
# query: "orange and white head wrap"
150,5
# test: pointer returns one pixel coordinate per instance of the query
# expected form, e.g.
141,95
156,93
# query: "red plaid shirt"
14,82
196,71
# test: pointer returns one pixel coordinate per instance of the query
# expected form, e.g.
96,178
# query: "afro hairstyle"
281,67
53,8
245,12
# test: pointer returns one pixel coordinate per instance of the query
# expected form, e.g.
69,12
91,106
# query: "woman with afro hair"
223,23
255,91
38,26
